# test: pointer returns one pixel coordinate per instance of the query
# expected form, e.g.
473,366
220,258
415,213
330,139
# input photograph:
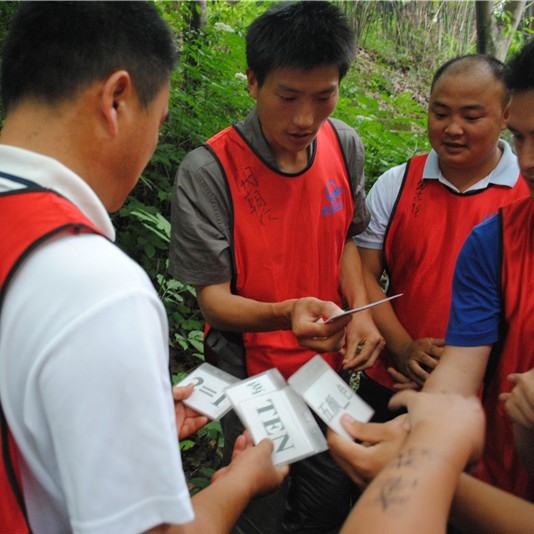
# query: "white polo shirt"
84,377
382,197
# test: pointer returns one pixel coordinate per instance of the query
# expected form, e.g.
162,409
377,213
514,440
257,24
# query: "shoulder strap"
13,513
28,216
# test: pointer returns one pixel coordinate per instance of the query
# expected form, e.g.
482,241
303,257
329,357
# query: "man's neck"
464,178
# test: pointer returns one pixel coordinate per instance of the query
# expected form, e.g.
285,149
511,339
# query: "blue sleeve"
476,294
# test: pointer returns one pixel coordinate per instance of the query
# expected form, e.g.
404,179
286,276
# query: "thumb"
401,399
513,378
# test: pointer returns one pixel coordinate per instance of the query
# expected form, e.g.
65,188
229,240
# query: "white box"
328,395
208,397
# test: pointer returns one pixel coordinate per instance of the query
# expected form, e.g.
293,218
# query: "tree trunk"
506,29
195,16
494,34
484,33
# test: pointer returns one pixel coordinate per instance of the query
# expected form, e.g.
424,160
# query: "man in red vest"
422,211
262,224
85,393
489,342
490,335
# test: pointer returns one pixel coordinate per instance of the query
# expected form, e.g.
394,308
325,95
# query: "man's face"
465,119
292,105
521,125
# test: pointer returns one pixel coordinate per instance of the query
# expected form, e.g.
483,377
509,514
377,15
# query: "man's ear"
116,93
505,116
252,83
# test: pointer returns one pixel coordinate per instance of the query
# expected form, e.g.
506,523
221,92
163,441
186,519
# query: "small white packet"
208,397
282,416
253,386
328,395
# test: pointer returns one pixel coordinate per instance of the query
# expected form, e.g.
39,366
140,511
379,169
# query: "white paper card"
328,395
259,384
282,416
361,308
208,397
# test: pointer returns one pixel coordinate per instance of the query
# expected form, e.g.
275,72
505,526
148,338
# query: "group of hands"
374,444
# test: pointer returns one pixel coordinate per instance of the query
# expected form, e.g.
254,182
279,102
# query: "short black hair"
54,49
466,63
520,75
300,35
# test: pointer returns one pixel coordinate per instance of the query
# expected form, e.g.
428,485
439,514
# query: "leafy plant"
391,123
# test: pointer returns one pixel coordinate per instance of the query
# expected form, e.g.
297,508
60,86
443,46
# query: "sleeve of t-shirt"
476,296
354,152
380,203
96,394
200,222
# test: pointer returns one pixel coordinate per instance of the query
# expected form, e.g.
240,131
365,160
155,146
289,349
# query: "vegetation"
383,97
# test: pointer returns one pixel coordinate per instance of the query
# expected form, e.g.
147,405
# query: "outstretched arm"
250,474
217,507
414,491
479,507
304,317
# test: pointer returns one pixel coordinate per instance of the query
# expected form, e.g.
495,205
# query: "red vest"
501,465
426,231
27,218
289,233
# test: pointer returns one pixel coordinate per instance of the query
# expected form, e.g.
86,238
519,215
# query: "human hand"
419,358
188,421
454,422
254,464
402,382
363,342
519,402
310,329
380,442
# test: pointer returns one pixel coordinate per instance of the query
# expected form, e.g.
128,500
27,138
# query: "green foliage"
202,481
392,124
521,37
202,464
211,89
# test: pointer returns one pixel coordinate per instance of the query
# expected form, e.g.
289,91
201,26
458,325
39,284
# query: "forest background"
384,97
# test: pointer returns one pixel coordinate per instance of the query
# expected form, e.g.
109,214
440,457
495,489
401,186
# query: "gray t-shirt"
201,232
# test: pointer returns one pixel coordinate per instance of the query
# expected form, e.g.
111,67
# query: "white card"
282,416
361,308
259,384
208,397
328,395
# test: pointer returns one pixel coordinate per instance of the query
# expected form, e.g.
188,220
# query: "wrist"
399,349
432,437
282,313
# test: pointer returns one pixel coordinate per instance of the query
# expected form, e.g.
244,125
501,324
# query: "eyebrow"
288,88
473,107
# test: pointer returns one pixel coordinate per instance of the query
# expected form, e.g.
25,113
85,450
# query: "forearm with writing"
414,491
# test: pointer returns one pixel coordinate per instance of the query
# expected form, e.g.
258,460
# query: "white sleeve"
380,203
98,428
